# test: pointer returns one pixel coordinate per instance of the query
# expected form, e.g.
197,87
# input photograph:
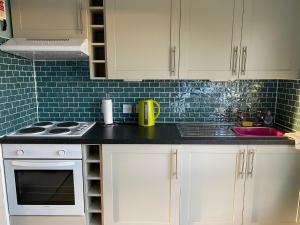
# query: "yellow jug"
147,116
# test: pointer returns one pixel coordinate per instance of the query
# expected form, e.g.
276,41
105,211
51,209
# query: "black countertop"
133,134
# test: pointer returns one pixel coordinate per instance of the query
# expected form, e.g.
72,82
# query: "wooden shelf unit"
97,45
93,184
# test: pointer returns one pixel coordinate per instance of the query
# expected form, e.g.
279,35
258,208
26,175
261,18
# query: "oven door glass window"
45,187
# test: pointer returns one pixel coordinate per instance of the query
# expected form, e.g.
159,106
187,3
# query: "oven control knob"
61,153
20,152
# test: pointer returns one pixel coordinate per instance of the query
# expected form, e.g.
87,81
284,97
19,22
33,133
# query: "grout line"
276,101
36,93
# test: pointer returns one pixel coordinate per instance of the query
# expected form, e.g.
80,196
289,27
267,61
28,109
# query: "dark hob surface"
68,124
32,130
59,131
43,124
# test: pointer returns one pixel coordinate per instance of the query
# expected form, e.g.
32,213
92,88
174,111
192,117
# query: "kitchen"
211,65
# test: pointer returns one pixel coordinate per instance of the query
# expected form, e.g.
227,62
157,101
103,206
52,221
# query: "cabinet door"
142,39
49,19
272,186
270,38
212,185
210,32
139,185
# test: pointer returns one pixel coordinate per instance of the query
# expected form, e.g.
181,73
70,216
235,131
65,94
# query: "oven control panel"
40,151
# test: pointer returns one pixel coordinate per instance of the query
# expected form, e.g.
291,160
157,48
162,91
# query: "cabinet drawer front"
32,151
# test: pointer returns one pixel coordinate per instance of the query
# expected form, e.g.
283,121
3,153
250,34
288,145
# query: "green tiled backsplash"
17,93
65,92
288,105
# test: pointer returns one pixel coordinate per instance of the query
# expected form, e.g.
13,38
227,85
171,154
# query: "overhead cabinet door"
49,19
142,39
270,43
209,39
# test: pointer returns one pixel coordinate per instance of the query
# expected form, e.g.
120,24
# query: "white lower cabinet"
3,203
272,186
214,184
141,184
212,188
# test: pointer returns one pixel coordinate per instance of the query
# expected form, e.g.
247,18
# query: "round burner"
43,124
32,130
59,131
68,124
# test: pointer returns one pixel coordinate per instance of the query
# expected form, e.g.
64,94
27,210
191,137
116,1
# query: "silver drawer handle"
175,173
173,61
80,22
250,164
235,59
244,60
241,163
44,165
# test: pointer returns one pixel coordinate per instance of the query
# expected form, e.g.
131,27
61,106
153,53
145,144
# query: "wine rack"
97,47
93,184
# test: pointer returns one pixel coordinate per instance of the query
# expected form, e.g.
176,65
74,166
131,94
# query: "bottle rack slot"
97,17
93,170
97,35
93,188
99,69
94,219
96,2
94,205
97,39
92,183
93,154
99,53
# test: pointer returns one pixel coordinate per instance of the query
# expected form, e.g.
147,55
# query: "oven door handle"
42,164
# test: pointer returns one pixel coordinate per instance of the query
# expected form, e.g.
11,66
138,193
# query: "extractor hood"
47,49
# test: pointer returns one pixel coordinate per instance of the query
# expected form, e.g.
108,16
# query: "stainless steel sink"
205,130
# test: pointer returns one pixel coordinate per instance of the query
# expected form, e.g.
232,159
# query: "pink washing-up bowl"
257,131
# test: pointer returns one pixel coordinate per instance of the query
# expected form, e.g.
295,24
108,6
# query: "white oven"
44,179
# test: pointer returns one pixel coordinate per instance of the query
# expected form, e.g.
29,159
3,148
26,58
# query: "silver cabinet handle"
80,22
244,60
250,162
234,59
175,173
241,163
173,60
41,164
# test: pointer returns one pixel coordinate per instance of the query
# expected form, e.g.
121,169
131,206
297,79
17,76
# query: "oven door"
44,187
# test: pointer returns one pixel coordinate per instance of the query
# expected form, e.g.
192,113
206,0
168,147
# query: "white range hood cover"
47,49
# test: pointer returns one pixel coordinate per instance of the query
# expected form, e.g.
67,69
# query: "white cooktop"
54,129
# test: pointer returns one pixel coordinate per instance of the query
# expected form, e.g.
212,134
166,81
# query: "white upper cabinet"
212,185
49,19
272,186
209,39
141,185
270,39
245,39
142,39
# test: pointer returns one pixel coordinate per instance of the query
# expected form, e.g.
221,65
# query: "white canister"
107,110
